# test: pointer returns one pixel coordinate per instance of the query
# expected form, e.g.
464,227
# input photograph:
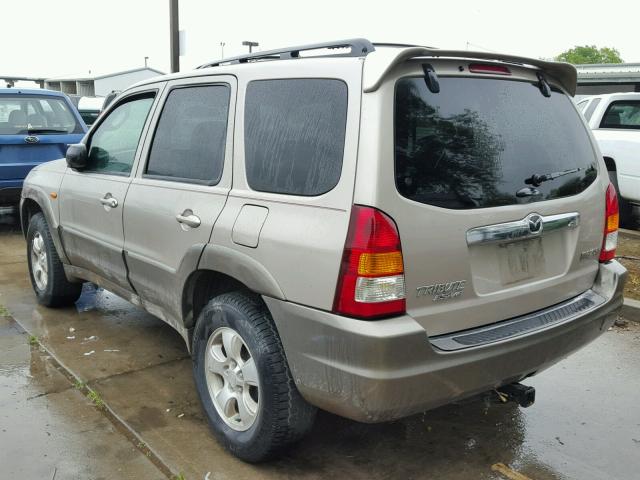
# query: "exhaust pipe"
516,392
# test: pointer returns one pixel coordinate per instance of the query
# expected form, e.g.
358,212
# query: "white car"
615,121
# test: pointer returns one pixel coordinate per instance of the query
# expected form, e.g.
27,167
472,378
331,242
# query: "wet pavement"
48,429
585,423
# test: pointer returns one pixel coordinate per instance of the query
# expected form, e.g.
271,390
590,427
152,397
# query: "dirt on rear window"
628,253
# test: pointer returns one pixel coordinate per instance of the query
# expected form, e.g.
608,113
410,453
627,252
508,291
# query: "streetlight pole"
249,44
174,36
222,44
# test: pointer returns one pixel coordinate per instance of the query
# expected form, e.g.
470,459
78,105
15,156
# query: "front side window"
479,143
36,115
113,145
622,114
294,133
189,142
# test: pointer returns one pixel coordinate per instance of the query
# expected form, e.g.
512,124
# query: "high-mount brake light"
489,68
371,281
610,238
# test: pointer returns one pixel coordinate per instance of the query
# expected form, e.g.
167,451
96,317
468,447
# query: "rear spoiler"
381,61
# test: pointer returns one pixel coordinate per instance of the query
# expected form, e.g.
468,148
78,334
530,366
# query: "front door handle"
189,219
109,201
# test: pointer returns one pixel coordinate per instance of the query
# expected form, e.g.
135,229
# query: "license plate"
521,260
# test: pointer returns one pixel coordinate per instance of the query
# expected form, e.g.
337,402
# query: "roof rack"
359,47
399,45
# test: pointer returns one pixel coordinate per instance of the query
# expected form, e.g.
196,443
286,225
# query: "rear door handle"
188,218
109,201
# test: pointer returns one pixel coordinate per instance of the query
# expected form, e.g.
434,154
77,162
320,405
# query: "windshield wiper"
31,131
536,180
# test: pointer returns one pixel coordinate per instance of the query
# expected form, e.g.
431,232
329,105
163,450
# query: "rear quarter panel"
301,241
623,146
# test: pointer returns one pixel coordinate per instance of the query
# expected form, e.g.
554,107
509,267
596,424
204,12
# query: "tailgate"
496,190
18,156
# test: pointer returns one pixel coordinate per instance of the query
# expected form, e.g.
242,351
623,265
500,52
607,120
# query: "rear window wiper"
536,180
31,131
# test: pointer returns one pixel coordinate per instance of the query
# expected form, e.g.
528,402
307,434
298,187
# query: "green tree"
590,54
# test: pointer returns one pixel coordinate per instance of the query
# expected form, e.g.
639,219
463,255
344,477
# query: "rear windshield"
477,142
36,114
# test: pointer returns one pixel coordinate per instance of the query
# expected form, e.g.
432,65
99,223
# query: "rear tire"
238,326
46,272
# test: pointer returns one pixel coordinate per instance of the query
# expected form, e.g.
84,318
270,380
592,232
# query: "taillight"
371,281
489,68
610,240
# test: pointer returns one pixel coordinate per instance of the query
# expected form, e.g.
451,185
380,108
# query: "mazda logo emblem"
31,139
535,223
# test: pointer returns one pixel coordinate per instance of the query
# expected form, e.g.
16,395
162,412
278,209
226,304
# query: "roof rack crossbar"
359,47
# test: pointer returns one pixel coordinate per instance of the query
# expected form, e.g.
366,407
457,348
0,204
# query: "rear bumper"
10,191
383,370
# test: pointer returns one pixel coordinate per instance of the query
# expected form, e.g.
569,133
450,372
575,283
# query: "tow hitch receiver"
516,392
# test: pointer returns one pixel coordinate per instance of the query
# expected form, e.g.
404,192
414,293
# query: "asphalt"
585,423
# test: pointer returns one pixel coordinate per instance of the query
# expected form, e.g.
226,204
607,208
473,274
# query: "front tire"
46,272
243,379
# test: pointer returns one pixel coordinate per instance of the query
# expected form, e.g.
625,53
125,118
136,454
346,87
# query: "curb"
631,310
632,234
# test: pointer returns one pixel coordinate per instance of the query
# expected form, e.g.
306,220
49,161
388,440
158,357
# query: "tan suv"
373,230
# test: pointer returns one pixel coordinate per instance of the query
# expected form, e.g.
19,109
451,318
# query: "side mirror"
77,156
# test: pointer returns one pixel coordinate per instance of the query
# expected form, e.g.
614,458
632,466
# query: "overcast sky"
72,37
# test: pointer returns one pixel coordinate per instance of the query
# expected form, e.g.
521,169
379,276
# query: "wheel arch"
28,208
610,163
222,270
35,201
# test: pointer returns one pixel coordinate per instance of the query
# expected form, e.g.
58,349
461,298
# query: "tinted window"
294,135
592,108
622,114
23,114
189,142
114,143
475,143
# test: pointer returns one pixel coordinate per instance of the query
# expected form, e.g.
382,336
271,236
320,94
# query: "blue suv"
35,126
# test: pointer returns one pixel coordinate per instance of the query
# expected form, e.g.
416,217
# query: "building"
608,78
101,85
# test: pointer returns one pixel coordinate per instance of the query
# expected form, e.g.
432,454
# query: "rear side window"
477,142
189,143
622,114
592,108
294,135
36,114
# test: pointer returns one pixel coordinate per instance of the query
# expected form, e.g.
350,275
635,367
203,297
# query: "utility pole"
145,61
222,44
174,36
250,45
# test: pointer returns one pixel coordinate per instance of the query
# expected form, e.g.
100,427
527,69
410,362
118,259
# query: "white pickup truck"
615,121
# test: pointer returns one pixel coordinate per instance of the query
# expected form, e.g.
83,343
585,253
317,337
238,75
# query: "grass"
96,399
78,385
3,311
179,477
33,340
